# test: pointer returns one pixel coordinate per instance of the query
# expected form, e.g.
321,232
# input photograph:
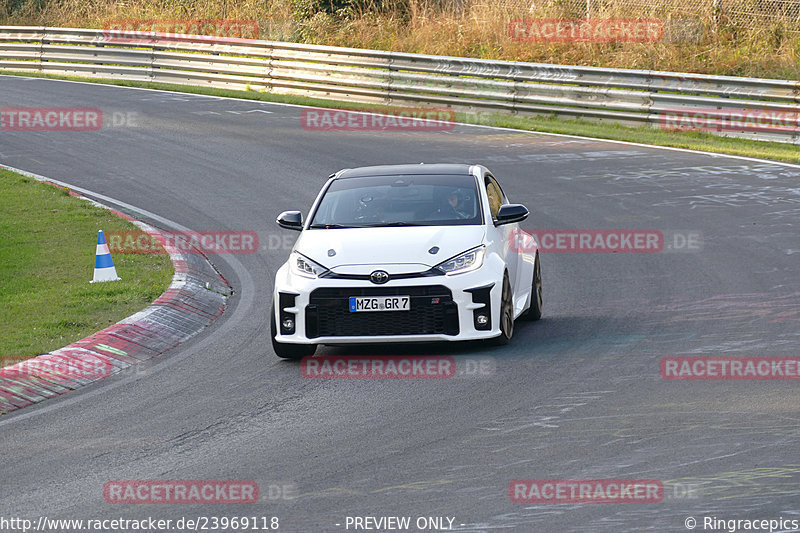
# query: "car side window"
495,196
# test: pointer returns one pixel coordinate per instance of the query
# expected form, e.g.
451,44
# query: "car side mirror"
510,213
291,220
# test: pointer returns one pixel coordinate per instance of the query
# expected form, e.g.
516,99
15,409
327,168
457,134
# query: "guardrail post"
268,69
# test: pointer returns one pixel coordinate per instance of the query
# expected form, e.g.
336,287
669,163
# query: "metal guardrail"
745,107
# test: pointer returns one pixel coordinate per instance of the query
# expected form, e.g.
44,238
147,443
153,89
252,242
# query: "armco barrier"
725,105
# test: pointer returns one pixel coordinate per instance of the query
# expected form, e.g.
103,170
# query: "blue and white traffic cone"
103,264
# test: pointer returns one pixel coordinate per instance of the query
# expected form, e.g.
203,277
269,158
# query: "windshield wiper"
331,226
393,224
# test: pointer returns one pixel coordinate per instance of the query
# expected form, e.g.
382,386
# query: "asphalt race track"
577,395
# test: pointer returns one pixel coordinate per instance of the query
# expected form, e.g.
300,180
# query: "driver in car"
452,207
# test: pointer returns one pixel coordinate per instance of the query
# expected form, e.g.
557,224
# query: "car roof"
407,170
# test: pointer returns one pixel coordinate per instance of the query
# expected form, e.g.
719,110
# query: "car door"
503,235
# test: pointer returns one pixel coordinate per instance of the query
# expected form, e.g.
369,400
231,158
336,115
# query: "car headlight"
466,262
304,266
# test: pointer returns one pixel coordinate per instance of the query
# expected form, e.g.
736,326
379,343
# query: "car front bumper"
443,308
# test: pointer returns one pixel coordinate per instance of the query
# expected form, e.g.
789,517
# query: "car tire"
506,314
285,350
534,312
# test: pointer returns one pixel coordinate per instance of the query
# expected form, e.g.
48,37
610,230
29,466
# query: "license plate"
379,303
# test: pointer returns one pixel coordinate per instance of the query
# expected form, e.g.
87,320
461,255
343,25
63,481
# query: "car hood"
395,249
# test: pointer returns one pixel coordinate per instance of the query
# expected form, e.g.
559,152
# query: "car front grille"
432,312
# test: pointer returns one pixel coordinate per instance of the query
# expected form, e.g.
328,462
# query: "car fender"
495,268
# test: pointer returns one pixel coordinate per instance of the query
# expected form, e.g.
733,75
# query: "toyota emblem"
379,277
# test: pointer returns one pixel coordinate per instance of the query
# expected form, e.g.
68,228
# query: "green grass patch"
648,135
605,130
47,253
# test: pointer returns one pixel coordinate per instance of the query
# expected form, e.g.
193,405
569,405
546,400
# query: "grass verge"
609,131
47,252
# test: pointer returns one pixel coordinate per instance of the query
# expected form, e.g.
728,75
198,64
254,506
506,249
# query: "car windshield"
381,201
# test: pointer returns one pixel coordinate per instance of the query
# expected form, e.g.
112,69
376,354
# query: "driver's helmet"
453,193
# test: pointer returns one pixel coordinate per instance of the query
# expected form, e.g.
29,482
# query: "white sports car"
405,253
